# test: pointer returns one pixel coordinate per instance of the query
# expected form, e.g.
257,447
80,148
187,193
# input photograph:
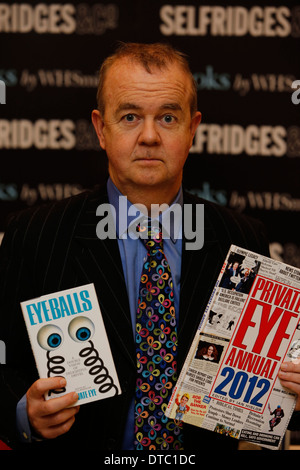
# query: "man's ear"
195,121
98,124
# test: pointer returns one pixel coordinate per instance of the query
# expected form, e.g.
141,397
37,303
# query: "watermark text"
2,352
177,222
296,94
2,92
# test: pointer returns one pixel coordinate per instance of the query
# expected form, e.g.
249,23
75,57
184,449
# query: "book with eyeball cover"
68,339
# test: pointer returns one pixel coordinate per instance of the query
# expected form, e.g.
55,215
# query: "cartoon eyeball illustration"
50,337
81,329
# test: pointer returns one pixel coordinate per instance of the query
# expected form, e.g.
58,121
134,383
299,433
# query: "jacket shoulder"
232,227
26,229
44,212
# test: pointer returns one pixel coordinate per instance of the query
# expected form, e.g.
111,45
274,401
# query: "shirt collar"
127,215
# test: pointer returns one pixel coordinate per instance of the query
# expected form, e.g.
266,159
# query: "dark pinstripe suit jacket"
55,247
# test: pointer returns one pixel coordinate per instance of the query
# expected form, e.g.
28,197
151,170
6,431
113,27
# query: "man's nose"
149,134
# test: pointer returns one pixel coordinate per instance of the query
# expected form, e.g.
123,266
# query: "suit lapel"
98,261
199,272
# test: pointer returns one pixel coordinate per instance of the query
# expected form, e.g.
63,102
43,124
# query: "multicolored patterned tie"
156,345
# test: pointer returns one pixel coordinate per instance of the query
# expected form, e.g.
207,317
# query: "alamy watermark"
177,221
296,94
2,352
2,92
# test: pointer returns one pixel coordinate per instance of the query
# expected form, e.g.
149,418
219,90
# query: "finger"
59,430
290,385
41,386
290,379
59,418
52,413
290,372
53,405
291,366
64,421
289,376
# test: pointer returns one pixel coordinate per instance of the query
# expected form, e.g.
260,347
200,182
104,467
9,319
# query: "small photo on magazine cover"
208,351
239,273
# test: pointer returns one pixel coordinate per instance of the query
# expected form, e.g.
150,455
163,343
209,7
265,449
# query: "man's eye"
129,117
168,118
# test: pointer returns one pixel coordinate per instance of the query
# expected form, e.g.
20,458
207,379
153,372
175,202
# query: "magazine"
68,339
229,382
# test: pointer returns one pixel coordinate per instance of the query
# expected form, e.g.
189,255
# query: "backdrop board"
246,62
245,59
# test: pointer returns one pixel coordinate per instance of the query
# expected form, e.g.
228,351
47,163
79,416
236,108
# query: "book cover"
68,339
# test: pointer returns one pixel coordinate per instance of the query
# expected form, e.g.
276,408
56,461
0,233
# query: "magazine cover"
250,326
68,339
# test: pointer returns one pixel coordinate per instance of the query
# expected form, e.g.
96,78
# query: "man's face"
183,401
147,129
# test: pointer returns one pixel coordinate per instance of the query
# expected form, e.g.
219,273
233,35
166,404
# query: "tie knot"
151,235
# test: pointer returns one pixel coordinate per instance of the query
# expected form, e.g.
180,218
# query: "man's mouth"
148,158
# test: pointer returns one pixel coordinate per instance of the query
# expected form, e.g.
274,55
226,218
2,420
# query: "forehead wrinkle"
160,87
126,106
127,81
173,106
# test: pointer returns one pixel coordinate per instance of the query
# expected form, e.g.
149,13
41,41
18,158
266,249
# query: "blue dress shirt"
133,254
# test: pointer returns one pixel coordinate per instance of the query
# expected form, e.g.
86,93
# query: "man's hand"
289,376
50,418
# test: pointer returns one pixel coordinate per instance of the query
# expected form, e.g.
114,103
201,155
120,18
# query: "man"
278,414
146,122
231,276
